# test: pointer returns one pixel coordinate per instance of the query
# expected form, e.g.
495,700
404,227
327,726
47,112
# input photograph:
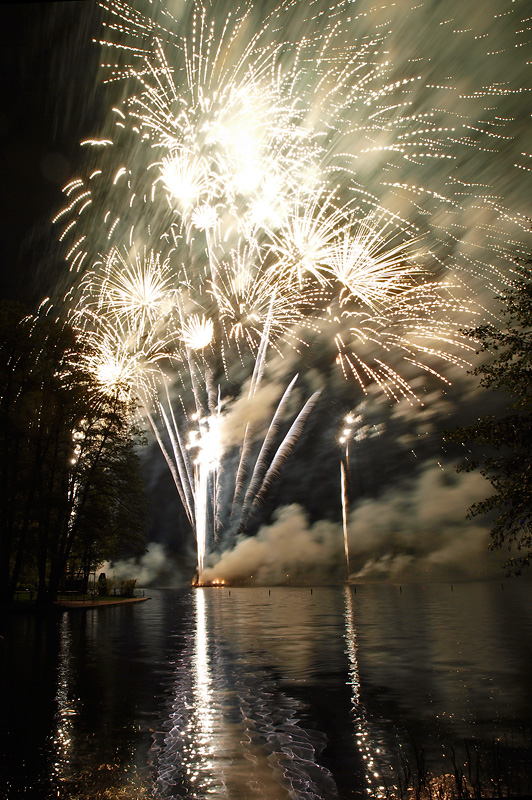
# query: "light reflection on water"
372,754
62,740
449,661
232,732
250,693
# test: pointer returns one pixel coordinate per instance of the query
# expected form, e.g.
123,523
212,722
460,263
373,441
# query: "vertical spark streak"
182,459
184,478
260,361
245,450
344,514
172,468
282,453
200,506
260,464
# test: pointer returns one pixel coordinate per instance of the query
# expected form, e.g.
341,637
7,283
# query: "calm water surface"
269,694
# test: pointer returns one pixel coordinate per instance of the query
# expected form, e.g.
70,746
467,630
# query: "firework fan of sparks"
228,216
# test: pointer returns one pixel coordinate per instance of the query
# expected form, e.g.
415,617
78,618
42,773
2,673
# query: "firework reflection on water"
230,731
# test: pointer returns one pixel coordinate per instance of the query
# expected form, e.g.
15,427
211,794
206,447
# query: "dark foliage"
508,439
70,487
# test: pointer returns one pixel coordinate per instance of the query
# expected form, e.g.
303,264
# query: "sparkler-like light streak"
196,465
241,219
343,488
369,750
124,361
352,430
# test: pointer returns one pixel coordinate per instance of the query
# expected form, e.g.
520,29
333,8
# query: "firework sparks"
247,182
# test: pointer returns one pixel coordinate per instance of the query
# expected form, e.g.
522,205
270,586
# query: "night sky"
50,100
407,503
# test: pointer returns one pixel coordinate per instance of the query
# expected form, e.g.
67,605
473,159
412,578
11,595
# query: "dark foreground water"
269,694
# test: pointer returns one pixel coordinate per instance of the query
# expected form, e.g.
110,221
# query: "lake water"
269,694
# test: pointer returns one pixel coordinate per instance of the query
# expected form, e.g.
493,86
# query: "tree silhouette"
507,464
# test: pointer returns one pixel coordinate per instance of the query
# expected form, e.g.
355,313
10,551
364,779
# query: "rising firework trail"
254,195
343,489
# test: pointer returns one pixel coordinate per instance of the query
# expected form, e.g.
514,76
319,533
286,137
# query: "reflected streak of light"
63,738
375,786
232,733
202,680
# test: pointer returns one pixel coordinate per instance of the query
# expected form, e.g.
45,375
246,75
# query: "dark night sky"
50,100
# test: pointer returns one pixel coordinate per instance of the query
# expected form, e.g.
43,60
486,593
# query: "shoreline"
67,605
119,601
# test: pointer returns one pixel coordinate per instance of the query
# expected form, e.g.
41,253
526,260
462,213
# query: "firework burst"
265,179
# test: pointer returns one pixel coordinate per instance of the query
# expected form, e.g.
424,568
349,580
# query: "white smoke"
287,551
417,531
154,567
255,411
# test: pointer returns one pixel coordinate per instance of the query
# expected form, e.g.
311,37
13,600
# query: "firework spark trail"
261,190
247,441
245,452
261,462
180,462
343,488
171,466
283,452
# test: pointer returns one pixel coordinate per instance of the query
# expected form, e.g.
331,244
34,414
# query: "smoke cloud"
287,551
418,531
153,568
413,532
255,411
